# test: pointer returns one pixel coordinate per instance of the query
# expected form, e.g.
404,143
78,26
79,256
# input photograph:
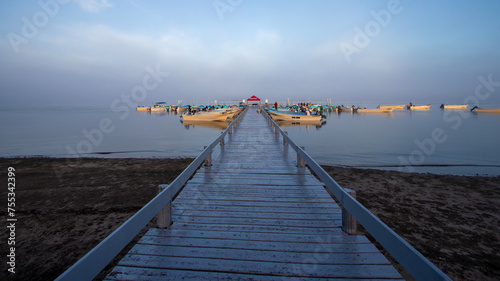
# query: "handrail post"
164,217
285,142
222,141
208,159
230,130
300,161
349,223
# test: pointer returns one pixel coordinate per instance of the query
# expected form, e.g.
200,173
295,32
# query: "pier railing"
96,260
412,260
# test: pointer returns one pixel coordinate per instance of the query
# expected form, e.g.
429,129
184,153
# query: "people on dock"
276,105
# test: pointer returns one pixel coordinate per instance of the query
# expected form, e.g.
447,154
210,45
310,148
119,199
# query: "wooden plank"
226,174
236,185
260,221
251,236
256,171
260,245
264,199
257,228
260,165
154,274
262,209
202,200
259,255
256,215
257,189
259,267
266,181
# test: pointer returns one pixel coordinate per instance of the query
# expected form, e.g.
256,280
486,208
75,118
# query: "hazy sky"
64,52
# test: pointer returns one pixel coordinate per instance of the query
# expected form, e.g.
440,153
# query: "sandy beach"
64,207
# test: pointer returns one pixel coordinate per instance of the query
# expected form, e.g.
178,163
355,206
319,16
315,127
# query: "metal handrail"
96,259
412,260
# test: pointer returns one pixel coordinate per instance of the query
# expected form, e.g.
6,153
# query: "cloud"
94,6
268,37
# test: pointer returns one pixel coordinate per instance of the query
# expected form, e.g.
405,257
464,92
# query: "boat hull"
392,107
487,110
420,107
293,116
376,110
143,108
205,116
283,123
461,106
158,109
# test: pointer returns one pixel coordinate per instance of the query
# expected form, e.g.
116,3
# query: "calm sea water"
435,141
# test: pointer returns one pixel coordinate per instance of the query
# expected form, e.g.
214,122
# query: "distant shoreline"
417,169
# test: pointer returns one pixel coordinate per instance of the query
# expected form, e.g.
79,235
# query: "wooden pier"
253,215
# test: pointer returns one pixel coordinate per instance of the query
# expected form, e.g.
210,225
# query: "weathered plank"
261,267
259,255
153,274
333,230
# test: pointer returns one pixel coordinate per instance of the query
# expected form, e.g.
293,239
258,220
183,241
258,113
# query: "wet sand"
65,207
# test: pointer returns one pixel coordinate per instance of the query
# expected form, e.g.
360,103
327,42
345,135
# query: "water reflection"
307,123
212,125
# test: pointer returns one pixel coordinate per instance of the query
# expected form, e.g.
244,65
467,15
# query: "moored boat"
317,123
458,106
485,110
373,110
283,115
143,108
342,108
392,107
159,107
206,116
418,107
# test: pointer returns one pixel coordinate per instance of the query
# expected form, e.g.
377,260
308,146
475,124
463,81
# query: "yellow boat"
143,108
288,123
205,116
374,110
459,106
392,107
485,110
419,107
286,115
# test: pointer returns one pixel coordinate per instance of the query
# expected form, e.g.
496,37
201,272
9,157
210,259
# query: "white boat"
485,110
283,115
159,107
143,108
374,110
182,109
418,107
392,107
317,123
205,116
339,109
459,106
